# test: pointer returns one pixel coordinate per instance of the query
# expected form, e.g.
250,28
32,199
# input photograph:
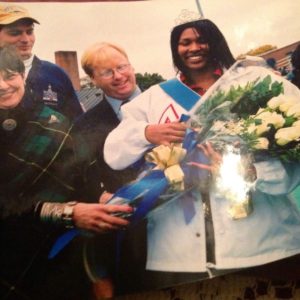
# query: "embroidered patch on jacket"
53,119
49,96
169,115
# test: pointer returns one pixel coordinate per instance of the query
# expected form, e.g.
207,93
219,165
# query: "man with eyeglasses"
109,68
45,81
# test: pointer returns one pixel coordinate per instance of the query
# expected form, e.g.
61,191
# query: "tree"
147,80
86,82
143,81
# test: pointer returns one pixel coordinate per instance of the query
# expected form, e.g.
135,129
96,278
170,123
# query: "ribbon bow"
168,159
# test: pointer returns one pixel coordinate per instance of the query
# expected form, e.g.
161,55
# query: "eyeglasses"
109,73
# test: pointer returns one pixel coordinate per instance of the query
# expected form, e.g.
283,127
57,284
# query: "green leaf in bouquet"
288,155
262,87
235,93
257,121
246,106
277,88
289,121
250,139
207,106
244,100
220,99
256,95
266,89
221,112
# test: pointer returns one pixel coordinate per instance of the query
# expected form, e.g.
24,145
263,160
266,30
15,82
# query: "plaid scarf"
40,160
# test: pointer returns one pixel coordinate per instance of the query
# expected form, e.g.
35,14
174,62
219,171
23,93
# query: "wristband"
58,213
67,215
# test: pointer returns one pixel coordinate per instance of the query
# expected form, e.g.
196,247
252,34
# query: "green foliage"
243,101
85,82
144,81
289,121
289,155
147,80
251,138
230,117
255,95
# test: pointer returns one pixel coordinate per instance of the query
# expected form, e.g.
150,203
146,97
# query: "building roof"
281,55
89,97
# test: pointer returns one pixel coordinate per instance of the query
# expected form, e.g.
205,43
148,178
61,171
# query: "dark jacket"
94,126
48,83
39,162
100,257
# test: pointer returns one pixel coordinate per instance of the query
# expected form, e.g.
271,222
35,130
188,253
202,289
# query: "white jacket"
270,233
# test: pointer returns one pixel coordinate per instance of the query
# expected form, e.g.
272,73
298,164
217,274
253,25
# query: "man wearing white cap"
45,82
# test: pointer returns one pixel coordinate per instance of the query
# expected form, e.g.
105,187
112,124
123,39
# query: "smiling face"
19,34
114,75
12,89
193,50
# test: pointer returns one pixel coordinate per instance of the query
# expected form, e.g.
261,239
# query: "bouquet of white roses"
247,116
275,128
258,115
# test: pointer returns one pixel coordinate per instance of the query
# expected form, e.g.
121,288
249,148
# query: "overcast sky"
143,27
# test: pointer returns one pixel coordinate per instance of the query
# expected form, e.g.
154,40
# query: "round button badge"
9,124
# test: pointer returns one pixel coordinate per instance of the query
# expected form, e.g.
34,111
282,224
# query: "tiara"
187,16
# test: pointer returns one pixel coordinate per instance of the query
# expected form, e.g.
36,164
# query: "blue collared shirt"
116,103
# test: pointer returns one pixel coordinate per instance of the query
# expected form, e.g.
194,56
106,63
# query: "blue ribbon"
144,193
182,94
62,241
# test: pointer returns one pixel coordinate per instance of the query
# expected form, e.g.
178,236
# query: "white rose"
286,135
251,128
262,128
235,127
258,129
296,124
263,115
271,118
262,143
239,127
289,102
260,111
275,102
218,125
277,120
294,111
